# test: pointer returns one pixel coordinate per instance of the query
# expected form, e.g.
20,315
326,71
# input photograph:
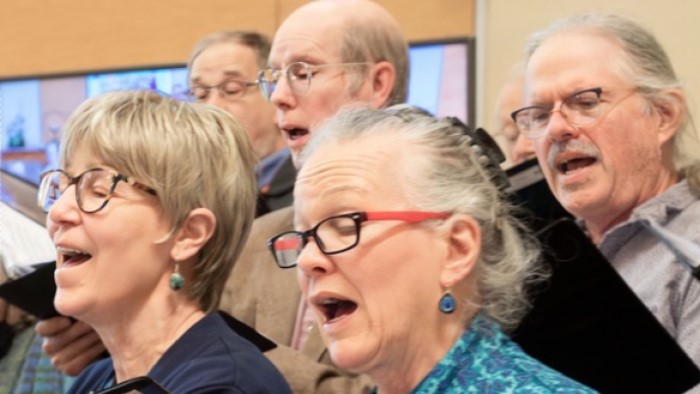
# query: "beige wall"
56,36
505,24
63,36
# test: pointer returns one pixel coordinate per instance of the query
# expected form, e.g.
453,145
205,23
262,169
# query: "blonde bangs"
191,155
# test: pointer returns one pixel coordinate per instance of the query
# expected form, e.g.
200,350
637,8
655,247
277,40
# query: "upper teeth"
70,252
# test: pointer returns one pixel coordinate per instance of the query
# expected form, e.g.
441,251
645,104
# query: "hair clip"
489,154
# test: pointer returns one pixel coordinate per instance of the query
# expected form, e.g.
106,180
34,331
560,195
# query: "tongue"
575,164
77,259
296,133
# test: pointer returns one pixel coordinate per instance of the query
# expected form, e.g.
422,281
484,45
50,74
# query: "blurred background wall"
62,36
57,36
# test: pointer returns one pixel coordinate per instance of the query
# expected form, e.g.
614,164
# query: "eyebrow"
338,210
566,96
91,165
233,73
311,60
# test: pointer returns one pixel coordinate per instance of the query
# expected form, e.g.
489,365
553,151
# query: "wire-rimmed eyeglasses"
93,190
336,234
231,90
579,109
298,74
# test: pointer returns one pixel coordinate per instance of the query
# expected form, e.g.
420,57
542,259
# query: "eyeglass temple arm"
408,216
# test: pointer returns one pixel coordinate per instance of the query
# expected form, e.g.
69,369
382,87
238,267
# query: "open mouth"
296,133
72,257
568,166
333,308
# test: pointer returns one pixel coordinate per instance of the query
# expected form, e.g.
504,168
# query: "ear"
464,246
671,111
383,77
194,232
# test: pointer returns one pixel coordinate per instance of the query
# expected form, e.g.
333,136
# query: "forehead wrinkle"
563,76
296,40
292,50
344,174
226,69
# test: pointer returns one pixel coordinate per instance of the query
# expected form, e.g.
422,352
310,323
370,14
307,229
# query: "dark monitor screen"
33,110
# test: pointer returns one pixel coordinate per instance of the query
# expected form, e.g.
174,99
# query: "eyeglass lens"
579,109
333,235
298,75
93,189
231,89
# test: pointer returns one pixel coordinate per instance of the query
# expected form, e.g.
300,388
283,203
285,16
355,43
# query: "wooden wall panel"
64,36
420,20
55,36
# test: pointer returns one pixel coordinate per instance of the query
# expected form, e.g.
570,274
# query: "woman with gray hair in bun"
409,257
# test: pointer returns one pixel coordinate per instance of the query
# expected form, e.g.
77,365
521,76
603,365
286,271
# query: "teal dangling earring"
176,279
447,303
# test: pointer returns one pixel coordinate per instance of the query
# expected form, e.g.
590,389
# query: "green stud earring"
176,279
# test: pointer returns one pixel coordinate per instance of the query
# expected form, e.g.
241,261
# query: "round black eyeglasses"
93,188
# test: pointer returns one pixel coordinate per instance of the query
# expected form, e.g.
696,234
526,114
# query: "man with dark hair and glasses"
223,71
612,132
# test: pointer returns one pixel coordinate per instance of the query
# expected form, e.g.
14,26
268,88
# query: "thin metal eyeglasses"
336,234
93,190
579,109
231,90
298,74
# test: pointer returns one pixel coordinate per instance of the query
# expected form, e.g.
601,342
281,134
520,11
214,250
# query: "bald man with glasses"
354,54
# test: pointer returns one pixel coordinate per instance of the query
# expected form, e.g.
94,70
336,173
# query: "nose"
282,95
64,210
559,128
312,262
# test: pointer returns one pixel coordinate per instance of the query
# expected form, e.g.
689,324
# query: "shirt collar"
268,166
